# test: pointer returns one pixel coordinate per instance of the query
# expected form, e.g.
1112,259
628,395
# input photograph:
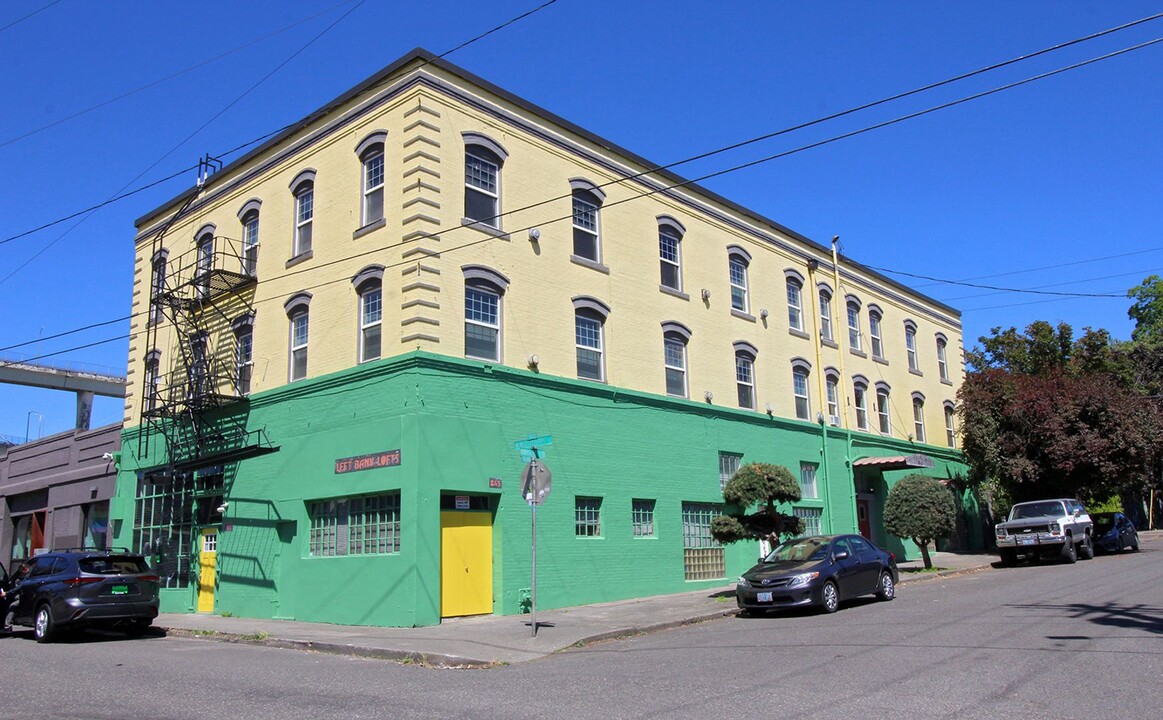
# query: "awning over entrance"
895,462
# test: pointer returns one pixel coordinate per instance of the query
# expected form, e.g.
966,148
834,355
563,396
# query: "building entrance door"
466,563
863,518
208,562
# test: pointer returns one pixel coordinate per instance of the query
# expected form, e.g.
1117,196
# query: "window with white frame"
484,290
199,371
372,159
371,315
587,207
250,243
368,525
808,480
811,518
642,517
745,377
702,554
157,286
875,337
795,303
860,402
152,379
728,465
670,253
589,323
304,194
911,346
243,353
737,274
587,517
854,326
832,391
882,410
482,184
942,364
950,430
919,417
799,376
674,362
297,309
825,315
205,262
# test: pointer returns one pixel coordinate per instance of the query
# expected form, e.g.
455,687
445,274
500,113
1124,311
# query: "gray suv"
84,588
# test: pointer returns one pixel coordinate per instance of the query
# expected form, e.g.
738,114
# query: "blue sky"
1054,185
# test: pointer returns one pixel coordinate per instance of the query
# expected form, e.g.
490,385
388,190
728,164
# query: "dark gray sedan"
821,570
1113,532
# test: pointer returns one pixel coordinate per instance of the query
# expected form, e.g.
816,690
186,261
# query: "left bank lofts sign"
386,458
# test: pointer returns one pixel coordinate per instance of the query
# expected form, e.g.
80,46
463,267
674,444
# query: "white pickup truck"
1046,528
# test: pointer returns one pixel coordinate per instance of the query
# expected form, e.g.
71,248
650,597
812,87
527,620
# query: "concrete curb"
655,627
918,577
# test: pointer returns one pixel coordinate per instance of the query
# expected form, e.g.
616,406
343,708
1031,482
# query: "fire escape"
200,406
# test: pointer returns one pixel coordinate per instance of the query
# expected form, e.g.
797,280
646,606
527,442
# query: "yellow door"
208,561
466,563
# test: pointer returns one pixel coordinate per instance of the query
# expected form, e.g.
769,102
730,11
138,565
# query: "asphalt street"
1034,641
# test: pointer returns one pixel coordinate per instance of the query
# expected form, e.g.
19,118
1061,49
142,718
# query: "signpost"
535,486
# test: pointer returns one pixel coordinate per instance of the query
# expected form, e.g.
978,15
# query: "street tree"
921,509
1147,310
762,486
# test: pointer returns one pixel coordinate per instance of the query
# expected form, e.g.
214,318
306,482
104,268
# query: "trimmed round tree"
763,485
922,509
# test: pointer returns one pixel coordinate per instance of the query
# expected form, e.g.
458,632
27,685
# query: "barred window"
728,466
162,525
368,525
588,516
810,518
702,554
642,517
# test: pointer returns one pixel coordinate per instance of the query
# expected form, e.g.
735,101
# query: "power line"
34,12
1046,267
1137,273
993,287
770,158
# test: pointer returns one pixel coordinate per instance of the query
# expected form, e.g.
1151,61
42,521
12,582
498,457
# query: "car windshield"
1103,522
112,565
800,550
1038,509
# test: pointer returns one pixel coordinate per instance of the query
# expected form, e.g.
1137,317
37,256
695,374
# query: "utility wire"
1043,267
709,153
1030,291
770,158
1137,273
34,12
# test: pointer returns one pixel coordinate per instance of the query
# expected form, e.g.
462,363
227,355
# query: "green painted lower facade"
454,423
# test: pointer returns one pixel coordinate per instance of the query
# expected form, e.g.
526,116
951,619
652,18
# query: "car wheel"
886,590
1135,542
1087,548
1009,556
1069,553
43,626
830,596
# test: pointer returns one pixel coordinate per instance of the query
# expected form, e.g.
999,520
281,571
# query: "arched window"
248,216
589,324
860,401
205,260
303,191
670,232
484,289
875,336
368,284
950,430
298,314
942,363
919,417
825,294
738,260
157,284
483,159
800,369
371,157
153,376
745,354
243,353
911,345
882,409
587,208
795,302
832,393
675,337
854,342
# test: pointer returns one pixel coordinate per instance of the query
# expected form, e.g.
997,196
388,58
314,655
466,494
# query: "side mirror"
1077,512
759,561
839,555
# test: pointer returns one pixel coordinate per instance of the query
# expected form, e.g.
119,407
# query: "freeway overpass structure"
86,383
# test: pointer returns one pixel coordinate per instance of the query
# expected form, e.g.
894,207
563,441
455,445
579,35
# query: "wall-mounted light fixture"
763,314
708,396
534,234
706,294
770,408
534,361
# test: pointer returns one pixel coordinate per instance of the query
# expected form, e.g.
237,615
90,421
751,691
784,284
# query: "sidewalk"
488,640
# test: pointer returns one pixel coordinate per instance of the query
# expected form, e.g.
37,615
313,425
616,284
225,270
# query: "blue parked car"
1113,532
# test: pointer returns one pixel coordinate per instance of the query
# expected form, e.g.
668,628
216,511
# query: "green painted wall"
455,423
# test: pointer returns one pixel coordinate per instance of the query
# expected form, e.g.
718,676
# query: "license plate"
763,597
120,590
1026,540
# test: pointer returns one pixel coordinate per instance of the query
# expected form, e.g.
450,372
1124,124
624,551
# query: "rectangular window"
482,324
919,420
588,334
744,381
882,411
911,349
250,245
811,519
674,360
808,480
795,310
728,466
642,517
162,525
738,276
585,228
368,525
157,289
481,196
304,216
800,391
702,554
825,316
668,245
874,334
244,362
152,384
370,324
587,512
299,346
942,365
833,393
205,264
950,433
373,188
854,328
860,400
